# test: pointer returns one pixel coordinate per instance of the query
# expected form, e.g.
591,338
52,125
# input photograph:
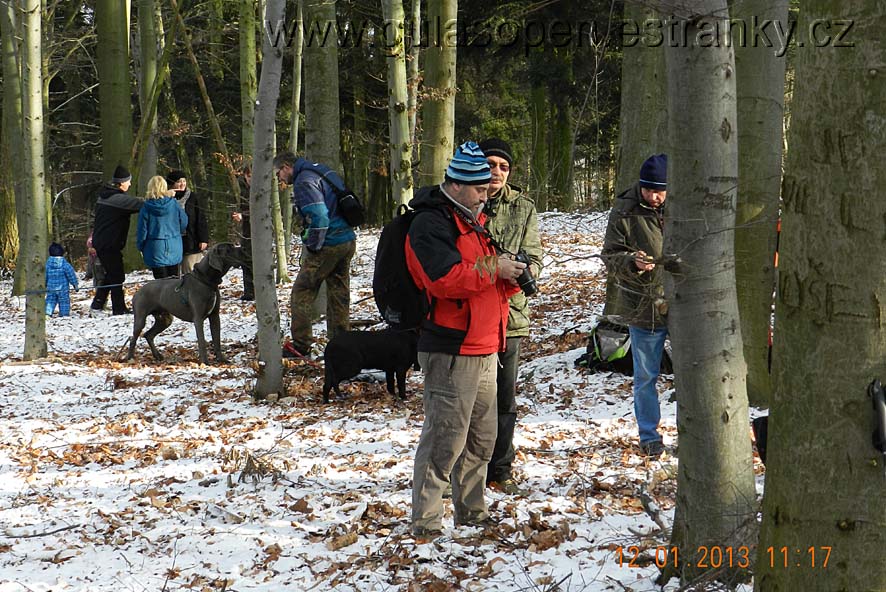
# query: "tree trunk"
270,376
247,75
644,116
412,68
538,179
716,498
824,481
297,53
112,59
147,81
322,124
216,40
438,109
36,240
761,76
11,190
560,157
401,147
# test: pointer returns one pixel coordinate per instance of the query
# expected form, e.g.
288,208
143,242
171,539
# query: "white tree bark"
716,498
401,147
36,237
270,375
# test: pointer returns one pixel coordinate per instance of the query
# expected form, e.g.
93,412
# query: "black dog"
194,297
352,351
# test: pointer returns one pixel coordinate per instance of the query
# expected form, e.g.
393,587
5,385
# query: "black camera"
526,281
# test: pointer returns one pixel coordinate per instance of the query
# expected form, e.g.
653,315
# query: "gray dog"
194,297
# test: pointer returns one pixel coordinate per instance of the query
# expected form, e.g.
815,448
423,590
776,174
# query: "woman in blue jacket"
161,222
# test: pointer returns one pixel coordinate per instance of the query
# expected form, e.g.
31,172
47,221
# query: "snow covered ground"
168,476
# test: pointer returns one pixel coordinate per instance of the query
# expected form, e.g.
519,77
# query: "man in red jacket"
451,258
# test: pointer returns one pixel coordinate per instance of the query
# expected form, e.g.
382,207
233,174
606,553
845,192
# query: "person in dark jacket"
451,259
161,223
329,244
632,246
59,275
110,229
242,218
512,221
195,238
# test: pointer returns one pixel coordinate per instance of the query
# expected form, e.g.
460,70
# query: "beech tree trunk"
147,80
761,76
438,108
401,147
112,60
414,51
322,118
716,497
825,478
36,239
270,375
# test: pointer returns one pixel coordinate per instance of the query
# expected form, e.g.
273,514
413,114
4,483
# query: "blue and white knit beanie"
468,166
654,173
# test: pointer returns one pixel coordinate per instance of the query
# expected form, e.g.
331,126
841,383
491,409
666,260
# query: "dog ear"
214,260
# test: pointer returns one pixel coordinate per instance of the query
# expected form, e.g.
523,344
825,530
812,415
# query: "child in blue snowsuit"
59,274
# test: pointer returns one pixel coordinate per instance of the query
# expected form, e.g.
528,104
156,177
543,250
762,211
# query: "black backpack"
401,304
609,349
349,204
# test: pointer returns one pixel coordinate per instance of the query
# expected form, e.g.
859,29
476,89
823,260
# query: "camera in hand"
526,281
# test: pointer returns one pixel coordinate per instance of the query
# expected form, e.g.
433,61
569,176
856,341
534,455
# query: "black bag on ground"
349,204
401,304
609,349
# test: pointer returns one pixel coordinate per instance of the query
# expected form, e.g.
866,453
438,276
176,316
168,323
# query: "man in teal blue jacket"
329,244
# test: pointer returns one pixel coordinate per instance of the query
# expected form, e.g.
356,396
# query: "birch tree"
36,240
438,106
824,478
401,146
760,74
716,497
270,375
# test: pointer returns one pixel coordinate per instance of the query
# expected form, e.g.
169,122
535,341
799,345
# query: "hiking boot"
652,449
478,519
420,532
247,297
290,351
508,486
125,311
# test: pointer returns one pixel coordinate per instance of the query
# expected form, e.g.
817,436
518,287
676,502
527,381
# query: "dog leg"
389,378
401,383
137,326
162,320
328,382
201,340
215,332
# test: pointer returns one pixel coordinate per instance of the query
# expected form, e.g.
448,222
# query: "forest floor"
169,476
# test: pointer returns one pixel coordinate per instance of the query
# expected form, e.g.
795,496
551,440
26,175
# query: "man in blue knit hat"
632,248
467,286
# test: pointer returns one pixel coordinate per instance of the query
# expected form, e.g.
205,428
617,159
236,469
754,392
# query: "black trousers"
500,466
248,282
112,261
165,271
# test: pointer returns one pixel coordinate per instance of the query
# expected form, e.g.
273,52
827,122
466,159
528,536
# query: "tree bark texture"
825,478
114,91
716,498
438,106
11,189
248,83
398,97
270,375
643,126
761,76
147,82
36,239
322,117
